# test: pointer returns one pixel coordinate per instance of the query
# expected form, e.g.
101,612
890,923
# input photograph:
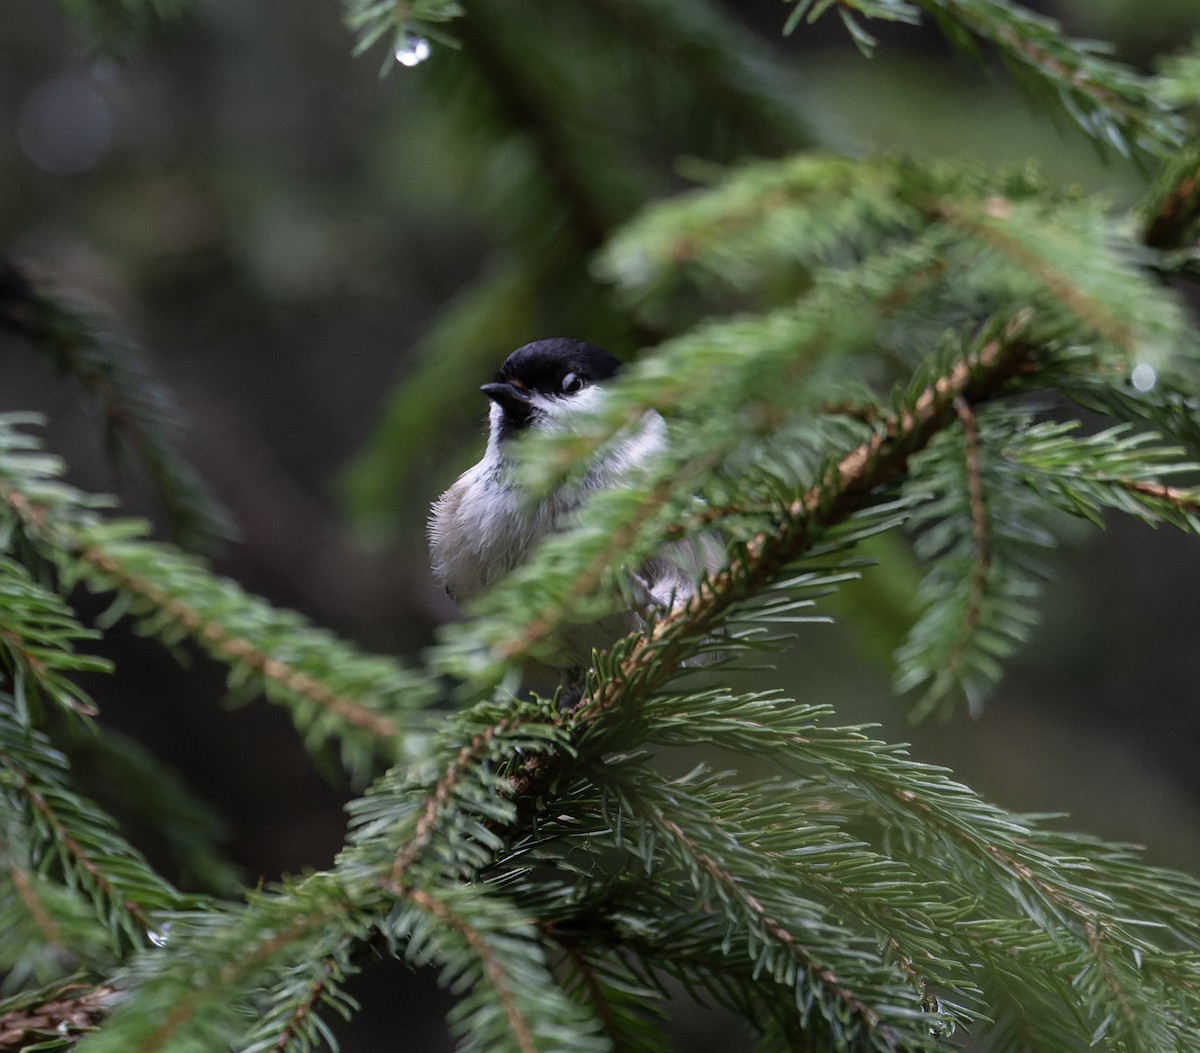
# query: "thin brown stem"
437,799
64,837
34,907
492,969
1177,211
980,534
228,646
770,927
305,1008
845,488
238,650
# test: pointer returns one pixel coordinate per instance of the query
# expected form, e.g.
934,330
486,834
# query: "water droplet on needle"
1144,377
414,52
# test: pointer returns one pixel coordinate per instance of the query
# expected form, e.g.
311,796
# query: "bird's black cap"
556,366
543,364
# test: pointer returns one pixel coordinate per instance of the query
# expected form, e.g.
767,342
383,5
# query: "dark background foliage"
279,228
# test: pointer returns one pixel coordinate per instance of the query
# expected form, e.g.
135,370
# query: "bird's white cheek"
561,415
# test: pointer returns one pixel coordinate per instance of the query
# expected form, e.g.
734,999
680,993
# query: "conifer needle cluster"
843,347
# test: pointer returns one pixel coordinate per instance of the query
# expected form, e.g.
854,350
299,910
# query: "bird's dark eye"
572,383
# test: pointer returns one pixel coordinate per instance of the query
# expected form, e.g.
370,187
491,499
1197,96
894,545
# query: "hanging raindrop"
160,936
1144,377
414,52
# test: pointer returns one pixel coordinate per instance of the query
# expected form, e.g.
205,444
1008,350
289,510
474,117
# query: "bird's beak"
514,401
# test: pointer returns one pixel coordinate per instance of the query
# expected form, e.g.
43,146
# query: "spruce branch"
1070,898
331,689
402,24
472,755
210,966
928,235
989,221
56,840
291,1009
38,637
839,999
49,926
105,570
764,217
1171,213
727,882
514,1002
140,415
1119,468
53,1019
977,528
845,488
620,997
493,970
23,885
77,857
1113,105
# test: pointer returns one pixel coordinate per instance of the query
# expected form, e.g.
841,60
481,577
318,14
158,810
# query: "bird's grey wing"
669,577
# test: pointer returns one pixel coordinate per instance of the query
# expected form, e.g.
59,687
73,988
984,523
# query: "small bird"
485,525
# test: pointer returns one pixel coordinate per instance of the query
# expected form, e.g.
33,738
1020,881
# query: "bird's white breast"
482,527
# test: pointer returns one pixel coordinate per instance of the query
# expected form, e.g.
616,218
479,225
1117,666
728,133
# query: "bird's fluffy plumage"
484,526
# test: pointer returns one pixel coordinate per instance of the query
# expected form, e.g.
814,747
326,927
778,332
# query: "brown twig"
980,534
1177,211
237,649
63,837
491,967
74,1010
844,490
772,928
228,646
304,1008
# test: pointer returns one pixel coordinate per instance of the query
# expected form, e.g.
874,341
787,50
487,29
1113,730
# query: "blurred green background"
291,237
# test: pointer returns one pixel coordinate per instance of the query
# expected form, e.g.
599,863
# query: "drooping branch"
180,593
238,650
74,1010
980,534
772,928
493,969
845,488
1171,221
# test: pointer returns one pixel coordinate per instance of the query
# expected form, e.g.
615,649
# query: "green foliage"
332,690
550,174
38,632
402,24
78,893
849,348
140,418
1180,78
1110,102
